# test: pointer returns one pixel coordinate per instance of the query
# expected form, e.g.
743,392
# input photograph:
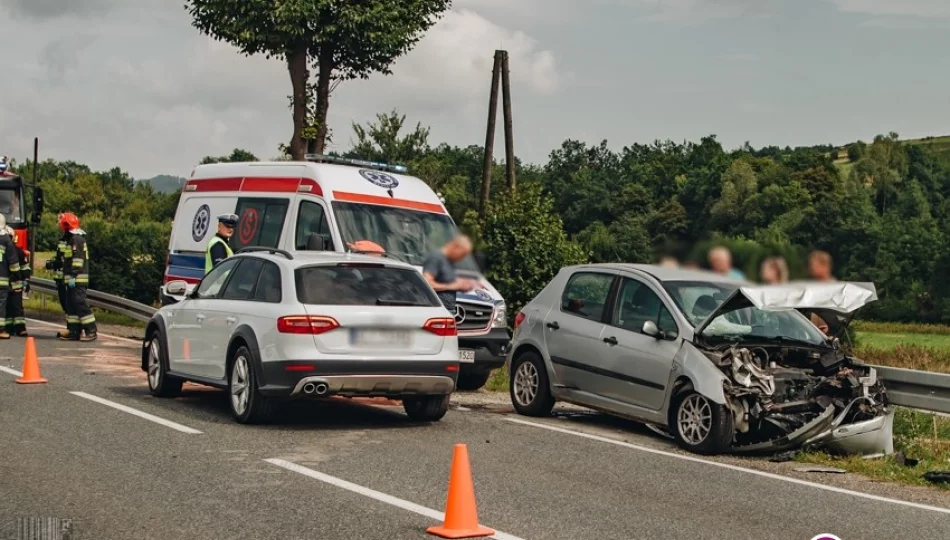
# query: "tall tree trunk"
324,71
299,74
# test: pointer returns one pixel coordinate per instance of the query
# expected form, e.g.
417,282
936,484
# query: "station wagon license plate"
379,339
466,356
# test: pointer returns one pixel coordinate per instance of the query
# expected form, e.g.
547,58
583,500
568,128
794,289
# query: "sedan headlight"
501,318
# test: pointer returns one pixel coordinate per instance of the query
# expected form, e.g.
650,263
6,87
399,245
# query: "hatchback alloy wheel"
526,384
694,419
240,389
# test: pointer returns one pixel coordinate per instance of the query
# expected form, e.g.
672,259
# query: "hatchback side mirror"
650,329
176,288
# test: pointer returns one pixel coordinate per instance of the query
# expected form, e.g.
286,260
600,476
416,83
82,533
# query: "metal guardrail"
917,389
101,300
905,387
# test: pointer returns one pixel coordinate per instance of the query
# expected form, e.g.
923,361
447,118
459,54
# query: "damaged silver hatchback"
721,365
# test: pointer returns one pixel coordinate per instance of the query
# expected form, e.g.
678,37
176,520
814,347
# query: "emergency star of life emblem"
380,179
199,225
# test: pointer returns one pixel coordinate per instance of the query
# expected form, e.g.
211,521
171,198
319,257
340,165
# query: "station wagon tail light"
519,318
441,327
306,324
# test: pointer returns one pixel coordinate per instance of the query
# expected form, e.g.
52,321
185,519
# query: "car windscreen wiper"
381,302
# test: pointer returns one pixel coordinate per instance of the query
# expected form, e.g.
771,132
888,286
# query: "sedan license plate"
379,339
466,356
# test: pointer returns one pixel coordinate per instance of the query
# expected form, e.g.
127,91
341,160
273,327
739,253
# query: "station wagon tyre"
701,425
160,383
472,378
248,405
529,387
426,408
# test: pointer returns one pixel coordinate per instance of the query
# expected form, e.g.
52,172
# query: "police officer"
218,248
16,320
9,268
80,322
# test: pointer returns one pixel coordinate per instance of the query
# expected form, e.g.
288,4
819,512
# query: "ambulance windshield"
407,235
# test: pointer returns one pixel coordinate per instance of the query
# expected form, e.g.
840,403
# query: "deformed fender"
707,379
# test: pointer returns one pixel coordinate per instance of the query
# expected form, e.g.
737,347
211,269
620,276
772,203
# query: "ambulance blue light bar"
322,158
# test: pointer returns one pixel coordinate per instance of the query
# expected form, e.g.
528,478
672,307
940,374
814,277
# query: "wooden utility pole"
509,138
490,135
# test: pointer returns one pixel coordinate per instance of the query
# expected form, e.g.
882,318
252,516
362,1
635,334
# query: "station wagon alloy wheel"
240,391
526,384
694,419
154,364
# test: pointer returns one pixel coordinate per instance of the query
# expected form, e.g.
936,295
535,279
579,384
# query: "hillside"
937,147
164,183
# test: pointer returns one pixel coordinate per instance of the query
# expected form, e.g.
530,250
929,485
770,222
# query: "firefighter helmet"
68,221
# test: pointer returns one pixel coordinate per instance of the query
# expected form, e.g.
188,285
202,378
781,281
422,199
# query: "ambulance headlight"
501,317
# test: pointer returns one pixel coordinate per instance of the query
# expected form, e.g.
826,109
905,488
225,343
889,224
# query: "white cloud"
912,8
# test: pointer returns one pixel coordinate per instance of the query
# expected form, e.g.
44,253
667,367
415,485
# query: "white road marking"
140,414
11,371
117,338
373,494
731,467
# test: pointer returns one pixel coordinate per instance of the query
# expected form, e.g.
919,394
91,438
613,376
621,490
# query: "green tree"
343,40
380,140
524,243
237,156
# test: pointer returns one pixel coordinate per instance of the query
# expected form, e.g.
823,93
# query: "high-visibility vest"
209,264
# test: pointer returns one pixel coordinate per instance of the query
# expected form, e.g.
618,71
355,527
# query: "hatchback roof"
663,273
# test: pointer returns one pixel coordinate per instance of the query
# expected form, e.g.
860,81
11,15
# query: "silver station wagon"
721,365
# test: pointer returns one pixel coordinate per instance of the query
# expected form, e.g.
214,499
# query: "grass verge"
50,310
498,382
918,435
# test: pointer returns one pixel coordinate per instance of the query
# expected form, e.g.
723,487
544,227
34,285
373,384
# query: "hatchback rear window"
363,285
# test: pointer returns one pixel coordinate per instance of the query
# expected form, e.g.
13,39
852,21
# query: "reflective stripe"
68,251
72,319
77,263
17,285
88,319
15,267
4,282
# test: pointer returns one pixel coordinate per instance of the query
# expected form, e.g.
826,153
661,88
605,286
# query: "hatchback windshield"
348,284
408,235
697,300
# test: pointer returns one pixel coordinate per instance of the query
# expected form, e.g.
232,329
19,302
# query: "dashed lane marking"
373,494
730,467
150,417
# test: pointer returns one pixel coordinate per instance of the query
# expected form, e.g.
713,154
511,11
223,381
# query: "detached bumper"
495,343
391,378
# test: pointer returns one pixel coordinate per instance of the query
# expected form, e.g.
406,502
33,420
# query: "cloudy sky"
131,83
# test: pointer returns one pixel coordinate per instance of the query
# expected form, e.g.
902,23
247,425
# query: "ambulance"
334,204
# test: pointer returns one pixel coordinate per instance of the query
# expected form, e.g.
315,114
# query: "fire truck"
13,205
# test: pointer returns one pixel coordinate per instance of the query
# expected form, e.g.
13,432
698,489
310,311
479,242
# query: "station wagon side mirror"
650,329
176,288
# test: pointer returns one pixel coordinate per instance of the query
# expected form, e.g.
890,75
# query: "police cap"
230,220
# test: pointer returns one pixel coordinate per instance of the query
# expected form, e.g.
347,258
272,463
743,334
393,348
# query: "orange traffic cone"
461,517
31,365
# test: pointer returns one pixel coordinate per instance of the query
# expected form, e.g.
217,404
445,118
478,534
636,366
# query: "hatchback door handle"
553,325
610,340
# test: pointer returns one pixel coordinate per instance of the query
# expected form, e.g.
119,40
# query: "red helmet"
68,221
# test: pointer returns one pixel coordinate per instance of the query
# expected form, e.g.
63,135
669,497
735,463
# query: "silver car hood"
840,296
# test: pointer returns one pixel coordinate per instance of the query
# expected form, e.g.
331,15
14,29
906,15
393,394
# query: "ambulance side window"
312,227
259,222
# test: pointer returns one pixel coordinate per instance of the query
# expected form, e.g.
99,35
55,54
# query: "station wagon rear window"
349,284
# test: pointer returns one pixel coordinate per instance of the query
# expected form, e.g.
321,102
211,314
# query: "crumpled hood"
835,302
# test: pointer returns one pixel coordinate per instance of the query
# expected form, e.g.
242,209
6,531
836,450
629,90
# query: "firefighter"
55,265
218,247
9,267
80,322
16,321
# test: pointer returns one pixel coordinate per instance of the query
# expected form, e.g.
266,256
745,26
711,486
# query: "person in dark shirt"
439,269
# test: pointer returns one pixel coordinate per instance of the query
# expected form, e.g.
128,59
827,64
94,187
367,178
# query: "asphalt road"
342,469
